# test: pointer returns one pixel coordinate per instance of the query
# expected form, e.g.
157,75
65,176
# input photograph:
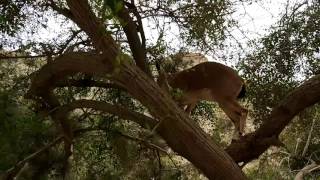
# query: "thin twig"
149,144
15,169
2,57
305,149
65,45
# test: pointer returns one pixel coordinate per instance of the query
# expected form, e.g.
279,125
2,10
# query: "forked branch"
123,113
251,146
137,47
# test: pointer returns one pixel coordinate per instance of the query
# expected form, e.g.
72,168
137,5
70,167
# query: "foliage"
281,59
12,15
113,148
22,128
275,67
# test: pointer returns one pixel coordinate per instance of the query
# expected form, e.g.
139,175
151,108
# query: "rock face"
194,59
188,60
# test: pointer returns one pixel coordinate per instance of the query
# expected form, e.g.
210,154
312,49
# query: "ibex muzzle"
212,81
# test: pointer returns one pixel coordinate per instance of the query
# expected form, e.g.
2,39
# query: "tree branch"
149,144
65,45
141,119
43,84
181,133
68,64
306,170
305,149
254,144
138,49
85,18
11,173
63,11
2,57
302,97
140,25
87,83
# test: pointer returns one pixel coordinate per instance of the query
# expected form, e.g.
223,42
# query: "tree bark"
180,132
254,144
306,170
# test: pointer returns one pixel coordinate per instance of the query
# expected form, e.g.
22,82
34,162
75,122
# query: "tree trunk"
180,132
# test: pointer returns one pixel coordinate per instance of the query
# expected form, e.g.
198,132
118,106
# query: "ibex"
212,81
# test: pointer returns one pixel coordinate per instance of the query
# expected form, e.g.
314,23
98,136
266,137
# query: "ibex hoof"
237,136
235,140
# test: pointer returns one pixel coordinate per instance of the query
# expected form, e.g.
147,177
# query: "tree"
112,52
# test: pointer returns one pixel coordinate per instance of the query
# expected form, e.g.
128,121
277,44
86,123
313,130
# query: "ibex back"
212,81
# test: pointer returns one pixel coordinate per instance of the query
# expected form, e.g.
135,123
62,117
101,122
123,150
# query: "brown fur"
212,81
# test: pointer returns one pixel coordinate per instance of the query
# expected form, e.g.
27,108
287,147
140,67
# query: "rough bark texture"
182,135
254,144
137,48
123,113
180,132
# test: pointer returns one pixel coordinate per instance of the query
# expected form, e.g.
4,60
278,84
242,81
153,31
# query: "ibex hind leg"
244,114
241,113
187,103
235,117
190,107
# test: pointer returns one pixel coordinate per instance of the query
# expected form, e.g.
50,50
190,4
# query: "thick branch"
253,145
181,133
66,65
302,97
63,11
43,83
84,17
142,120
137,48
134,10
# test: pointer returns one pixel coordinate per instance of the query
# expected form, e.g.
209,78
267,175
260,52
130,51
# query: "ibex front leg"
188,101
237,114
